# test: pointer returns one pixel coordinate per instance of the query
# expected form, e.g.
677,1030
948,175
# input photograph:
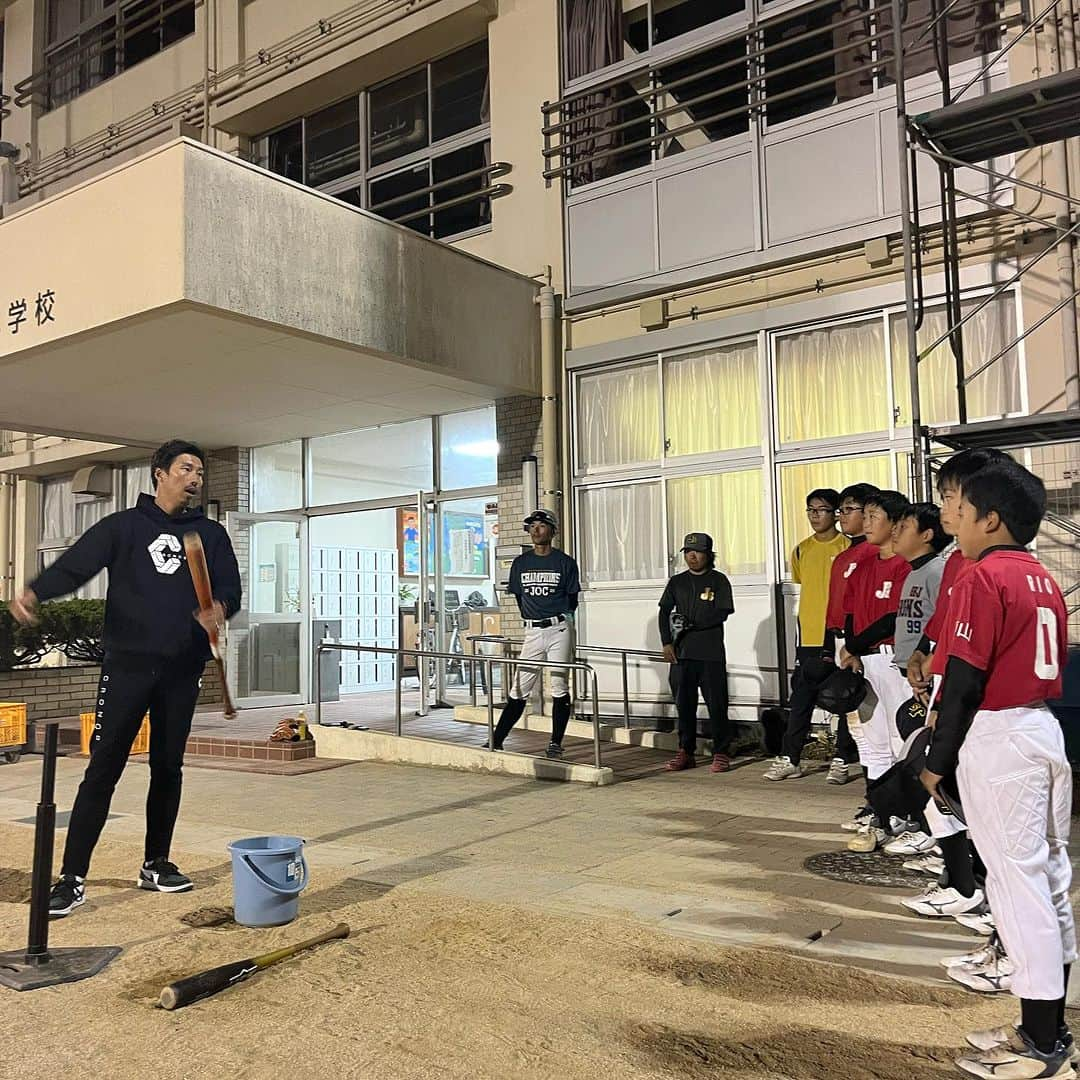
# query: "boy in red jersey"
872,598
1005,642
851,515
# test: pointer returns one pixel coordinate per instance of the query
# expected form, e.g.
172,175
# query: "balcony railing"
773,70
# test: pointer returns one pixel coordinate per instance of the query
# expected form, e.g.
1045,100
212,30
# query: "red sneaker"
682,760
720,763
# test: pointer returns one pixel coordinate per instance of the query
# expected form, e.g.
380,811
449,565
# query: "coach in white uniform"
546,583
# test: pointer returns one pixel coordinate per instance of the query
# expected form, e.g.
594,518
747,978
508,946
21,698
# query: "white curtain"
621,533
831,381
712,401
797,481
619,417
136,481
57,510
727,506
995,393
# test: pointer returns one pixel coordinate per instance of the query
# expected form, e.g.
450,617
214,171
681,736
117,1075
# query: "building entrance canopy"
187,292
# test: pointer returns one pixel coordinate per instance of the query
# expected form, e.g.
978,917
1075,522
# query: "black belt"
543,624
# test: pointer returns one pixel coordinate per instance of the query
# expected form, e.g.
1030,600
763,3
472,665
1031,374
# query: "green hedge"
73,627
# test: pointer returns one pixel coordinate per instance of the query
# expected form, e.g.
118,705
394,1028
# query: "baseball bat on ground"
196,987
200,577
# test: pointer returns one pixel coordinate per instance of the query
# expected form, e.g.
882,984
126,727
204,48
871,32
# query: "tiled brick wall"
68,691
518,429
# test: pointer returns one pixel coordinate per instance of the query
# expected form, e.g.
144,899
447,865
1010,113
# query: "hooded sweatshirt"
150,603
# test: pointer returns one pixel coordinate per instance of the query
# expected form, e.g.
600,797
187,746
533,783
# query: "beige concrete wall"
524,54
105,249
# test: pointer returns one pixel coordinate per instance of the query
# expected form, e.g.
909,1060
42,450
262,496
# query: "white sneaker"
990,1038
992,978
838,773
936,902
1018,1059
862,817
929,863
982,922
974,959
867,839
783,769
910,843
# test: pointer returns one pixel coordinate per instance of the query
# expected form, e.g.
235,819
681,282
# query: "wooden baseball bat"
196,987
200,577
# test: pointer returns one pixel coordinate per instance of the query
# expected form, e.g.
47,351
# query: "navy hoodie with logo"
151,598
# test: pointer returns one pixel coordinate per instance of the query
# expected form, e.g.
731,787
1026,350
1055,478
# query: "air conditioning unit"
93,480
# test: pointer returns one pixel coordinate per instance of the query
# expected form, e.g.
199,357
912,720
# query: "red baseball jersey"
842,568
956,569
873,591
1007,618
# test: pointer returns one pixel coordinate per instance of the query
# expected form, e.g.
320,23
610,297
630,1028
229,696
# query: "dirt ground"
433,986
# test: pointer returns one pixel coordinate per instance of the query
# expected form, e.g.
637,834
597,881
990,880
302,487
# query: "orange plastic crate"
12,723
142,740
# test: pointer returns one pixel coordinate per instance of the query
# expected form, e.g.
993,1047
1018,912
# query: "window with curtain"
727,506
621,533
136,481
796,481
618,417
712,400
64,518
994,393
832,381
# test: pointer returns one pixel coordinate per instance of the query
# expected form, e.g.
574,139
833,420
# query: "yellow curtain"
830,381
712,401
797,481
994,393
728,507
619,417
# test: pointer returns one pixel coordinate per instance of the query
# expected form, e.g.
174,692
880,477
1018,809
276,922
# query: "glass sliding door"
268,653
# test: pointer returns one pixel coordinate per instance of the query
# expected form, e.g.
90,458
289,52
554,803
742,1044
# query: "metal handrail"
400,653
492,171
648,654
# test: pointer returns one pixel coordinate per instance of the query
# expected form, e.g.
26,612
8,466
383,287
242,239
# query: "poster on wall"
467,540
408,541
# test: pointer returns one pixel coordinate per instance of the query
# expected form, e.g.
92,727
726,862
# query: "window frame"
361,179
115,13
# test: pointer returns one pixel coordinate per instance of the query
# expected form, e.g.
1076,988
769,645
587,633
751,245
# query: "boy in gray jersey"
920,539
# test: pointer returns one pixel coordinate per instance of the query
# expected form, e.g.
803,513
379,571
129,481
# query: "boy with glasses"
850,518
811,567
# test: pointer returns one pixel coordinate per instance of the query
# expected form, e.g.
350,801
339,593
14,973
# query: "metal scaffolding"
977,133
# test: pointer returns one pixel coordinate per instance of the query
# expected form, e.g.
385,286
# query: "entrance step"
610,731
350,745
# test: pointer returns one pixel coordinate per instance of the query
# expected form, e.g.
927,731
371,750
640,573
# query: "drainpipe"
550,493
1066,42
209,16
7,538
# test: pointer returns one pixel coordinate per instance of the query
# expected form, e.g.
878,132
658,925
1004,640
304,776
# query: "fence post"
490,707
625,694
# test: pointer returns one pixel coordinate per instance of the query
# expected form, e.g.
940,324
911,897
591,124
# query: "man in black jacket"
156,646
701,595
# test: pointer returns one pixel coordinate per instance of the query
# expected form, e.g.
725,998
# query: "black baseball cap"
546,517
697,542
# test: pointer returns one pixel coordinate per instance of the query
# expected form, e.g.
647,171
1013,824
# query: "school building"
410,268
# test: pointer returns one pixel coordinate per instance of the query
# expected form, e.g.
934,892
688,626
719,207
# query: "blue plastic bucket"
269,874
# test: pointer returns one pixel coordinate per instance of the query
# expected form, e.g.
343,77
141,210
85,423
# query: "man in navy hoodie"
156,646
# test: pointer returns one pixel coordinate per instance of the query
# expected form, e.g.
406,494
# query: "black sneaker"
67,894
163,876
554,750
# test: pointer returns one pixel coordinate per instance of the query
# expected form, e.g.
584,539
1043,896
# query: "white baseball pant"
554,643
940,824
1016,787
876,735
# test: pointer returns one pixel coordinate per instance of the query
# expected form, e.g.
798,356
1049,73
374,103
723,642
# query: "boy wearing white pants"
1006,641
546,583
873,595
